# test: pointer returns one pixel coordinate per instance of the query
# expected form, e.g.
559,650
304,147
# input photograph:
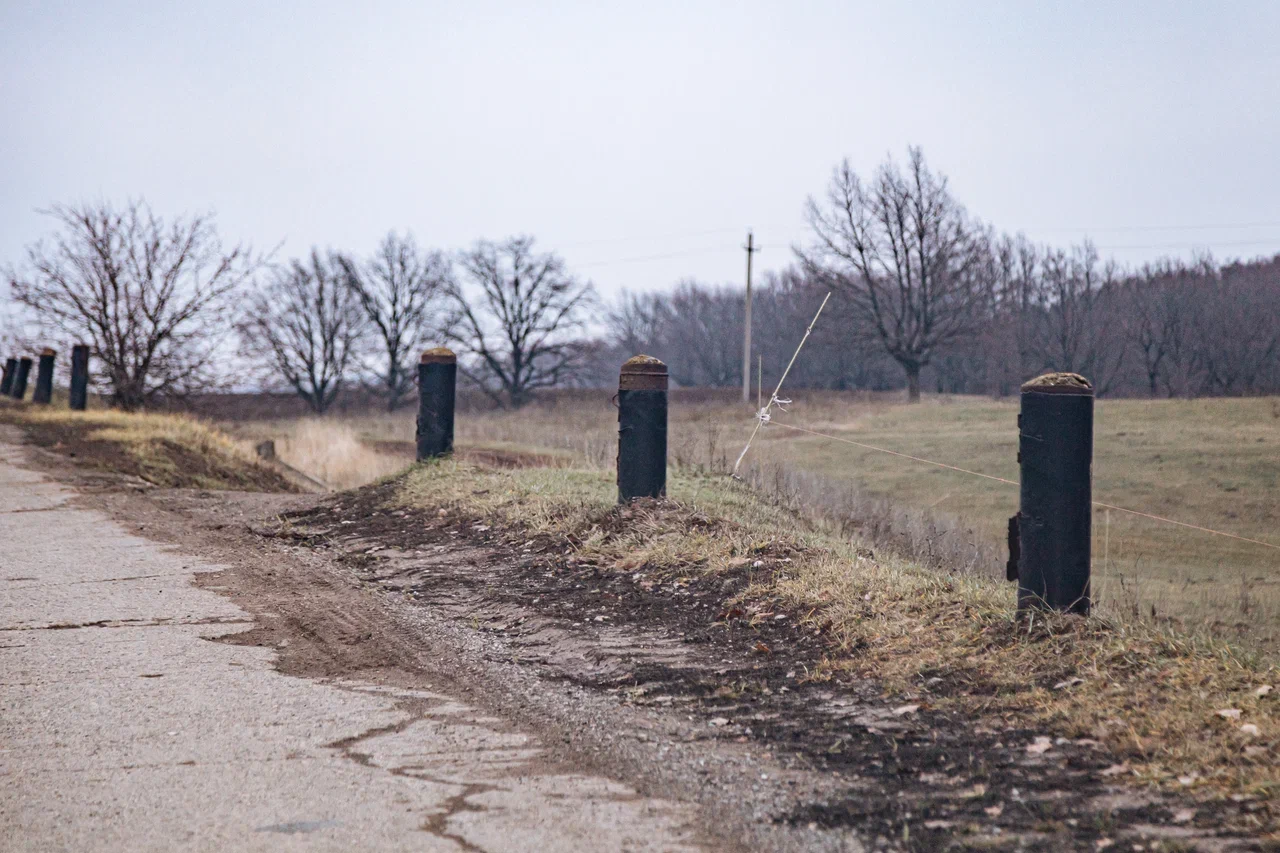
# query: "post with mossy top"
1050,537
19,389
437,387
642,429
44,378
79,377
6,382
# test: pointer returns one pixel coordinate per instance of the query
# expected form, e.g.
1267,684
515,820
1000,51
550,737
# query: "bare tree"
1238,322
911,262
704,335
401,290
1080,316
305,324
522,332
152,298
636,323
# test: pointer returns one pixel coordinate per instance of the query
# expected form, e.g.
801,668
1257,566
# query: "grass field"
1212,463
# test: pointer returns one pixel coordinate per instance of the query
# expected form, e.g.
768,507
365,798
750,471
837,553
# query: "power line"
1122,228
641,258
1274,241
634,238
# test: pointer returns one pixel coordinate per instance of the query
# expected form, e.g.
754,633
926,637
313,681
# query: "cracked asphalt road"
122,727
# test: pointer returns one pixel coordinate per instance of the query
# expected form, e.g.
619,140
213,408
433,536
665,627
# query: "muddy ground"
676,687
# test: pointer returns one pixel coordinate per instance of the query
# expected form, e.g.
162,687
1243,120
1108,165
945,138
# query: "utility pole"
746,325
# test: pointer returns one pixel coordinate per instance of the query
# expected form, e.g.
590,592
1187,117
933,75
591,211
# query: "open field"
1214,463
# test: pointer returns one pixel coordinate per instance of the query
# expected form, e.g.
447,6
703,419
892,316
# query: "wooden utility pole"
746,325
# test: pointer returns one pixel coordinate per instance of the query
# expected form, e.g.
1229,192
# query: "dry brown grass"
165,449
1210,462
1149,695
332,452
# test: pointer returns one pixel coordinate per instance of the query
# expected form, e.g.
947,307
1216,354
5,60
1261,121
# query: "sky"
642,140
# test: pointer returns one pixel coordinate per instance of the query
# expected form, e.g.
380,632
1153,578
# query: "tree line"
925,296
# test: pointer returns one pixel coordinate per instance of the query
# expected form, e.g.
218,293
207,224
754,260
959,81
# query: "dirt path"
440,687
124,728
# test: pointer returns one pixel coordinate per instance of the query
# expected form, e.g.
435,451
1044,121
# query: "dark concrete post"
1052,532
44,378
19,389
6,383
437,389
642,429
79,376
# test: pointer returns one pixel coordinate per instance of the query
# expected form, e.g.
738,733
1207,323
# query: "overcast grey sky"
617,132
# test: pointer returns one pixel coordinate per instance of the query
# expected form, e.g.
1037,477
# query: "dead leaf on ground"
1040,745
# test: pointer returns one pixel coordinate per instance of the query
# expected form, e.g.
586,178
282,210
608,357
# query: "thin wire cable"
637,238
762,416
1185,524
680,254
896,453
1015,483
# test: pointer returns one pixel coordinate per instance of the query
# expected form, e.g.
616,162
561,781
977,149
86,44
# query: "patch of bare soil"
898,768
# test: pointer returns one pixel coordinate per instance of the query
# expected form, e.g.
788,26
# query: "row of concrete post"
1049,538
17,372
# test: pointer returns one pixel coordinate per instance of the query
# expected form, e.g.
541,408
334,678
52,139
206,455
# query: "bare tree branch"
152,298
522,332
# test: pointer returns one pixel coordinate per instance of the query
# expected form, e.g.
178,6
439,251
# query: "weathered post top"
438,355
48,351
1058,383
643,373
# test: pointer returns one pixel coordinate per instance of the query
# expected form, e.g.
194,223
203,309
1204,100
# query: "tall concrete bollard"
79,376
642,429
44,378
1050,537
19,389
437,390
6,382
